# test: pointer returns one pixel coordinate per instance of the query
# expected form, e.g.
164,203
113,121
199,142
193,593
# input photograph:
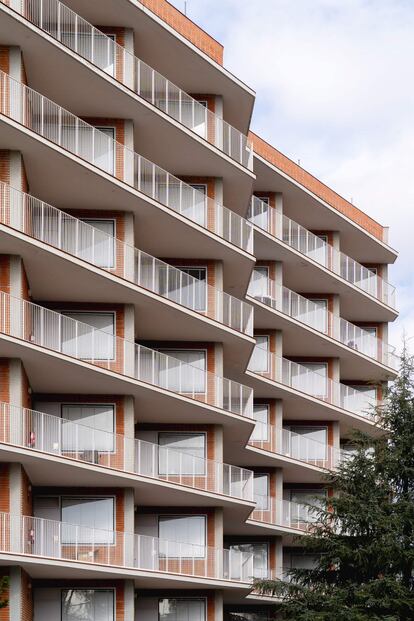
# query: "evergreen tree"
4,584
363,538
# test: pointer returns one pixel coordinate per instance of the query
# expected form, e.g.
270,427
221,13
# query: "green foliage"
363,538
4,584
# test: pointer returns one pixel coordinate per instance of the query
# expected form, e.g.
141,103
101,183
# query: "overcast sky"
335,89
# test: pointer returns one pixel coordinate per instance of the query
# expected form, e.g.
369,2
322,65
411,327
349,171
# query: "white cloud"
334,88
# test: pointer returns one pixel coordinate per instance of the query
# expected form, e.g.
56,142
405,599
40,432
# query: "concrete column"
277,294
276,358
129,600
219,301
16,388
336,312
336,263
129,164
129,64
129,253
278,478
218,606
278,543
220,474
336,376
16,594
279,424
129,526
336,441
277,226
18,490
218,358
218,539
129,335
129,432
218,190
219,127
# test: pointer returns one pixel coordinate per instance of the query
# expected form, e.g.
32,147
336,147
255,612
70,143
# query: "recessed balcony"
72,339
92,45
317,250
116,162
43,539
283,513
318,317
52,435
56,228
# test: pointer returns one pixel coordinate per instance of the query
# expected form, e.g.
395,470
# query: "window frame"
114,420
108,590
88,221
267,337
292,426
184,433
267,424
166,350
94,497
204,516
183,268
267,475
306,364
67,313
197,599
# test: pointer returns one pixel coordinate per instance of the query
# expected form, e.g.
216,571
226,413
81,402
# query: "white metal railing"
283,513
57,436
310,245
322,319
291,444
45,223
62,128
313,383
61,23
49,539
54,331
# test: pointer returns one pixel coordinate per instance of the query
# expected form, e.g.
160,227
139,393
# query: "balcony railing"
313,383
300,239
296,446
54,331
308,312
45,223
48,539
62,128
56,436
81,37
284,513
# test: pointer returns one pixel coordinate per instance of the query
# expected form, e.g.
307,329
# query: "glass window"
261,416
301,499
194,294
248,615
259,283
87,605
308,443
97,246
311,377
100,50
183,370
182,536
260,212
79,437
319,251
261,491
259,361
303,561
186,454
182,609
360,398
87,520
260,556
318,315
104,148
81,340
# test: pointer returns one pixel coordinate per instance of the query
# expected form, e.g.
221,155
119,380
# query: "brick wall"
315,186
185,27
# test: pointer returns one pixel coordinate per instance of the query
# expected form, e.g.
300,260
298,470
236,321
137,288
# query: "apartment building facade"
190,324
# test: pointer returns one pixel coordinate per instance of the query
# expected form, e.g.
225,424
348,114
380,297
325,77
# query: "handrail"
285,513
308,312
54,331
59,126
45,223
38,431
43,538
313,383
74,32
265,217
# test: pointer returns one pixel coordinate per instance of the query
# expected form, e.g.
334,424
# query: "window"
259,361
199,203
261,212
79,437
193,294
261,491
104,148
318,315
261,416
319,252
182,536
248,615
360,398
368,342
87,605
100,49
98,246
93,337
303,501
303,561
307,443
87,520
311,377
260,556
94,144
187,454
182,609
184,370
259,283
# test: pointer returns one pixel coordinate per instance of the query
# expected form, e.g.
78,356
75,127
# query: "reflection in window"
89,336
78,422
87,605
87,520
188,609
261,429
182,536
259,361
186,454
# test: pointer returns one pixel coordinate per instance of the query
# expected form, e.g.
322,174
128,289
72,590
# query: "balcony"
290,303
283,513
76,340
314,248
47,540
74,32
316,384
56,228
295,446
109,157
45,433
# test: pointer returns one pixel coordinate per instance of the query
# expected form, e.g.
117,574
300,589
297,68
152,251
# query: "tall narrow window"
182,453
104,148
182,536
261,416
88,605
90,336
259,361
261,491
259,283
